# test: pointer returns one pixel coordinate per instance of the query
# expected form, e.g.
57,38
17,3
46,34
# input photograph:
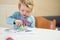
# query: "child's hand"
25,27
18,22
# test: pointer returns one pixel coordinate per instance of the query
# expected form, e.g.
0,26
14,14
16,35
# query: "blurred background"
41,8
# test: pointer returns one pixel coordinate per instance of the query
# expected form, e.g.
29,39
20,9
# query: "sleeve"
10,19
32,25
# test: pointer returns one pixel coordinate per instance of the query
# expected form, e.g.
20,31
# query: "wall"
41,8
46,7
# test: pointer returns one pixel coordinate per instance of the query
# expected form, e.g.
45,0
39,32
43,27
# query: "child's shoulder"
16,12
31,17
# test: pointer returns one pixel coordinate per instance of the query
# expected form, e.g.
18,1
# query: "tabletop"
33,34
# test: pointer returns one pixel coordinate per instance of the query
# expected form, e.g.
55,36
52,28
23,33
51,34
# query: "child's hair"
28,3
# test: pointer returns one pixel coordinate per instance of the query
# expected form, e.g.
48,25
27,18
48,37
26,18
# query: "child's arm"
33,22
11,19
32,25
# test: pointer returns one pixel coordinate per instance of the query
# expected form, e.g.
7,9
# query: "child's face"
24,10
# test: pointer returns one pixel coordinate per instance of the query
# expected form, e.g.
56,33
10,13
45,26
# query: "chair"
41,22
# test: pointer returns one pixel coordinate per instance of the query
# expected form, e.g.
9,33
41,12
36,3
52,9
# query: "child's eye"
22,10
27,11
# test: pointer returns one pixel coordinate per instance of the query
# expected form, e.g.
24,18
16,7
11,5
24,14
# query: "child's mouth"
24,15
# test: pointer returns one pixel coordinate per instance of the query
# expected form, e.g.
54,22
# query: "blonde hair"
28,3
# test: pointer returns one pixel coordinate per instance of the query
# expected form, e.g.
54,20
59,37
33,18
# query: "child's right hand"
18,22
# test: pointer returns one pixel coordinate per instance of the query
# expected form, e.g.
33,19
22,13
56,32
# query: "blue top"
17,15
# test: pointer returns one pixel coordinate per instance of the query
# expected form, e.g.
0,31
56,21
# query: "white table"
35,34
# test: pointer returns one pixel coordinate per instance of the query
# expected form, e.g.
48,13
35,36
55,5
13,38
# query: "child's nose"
24,13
